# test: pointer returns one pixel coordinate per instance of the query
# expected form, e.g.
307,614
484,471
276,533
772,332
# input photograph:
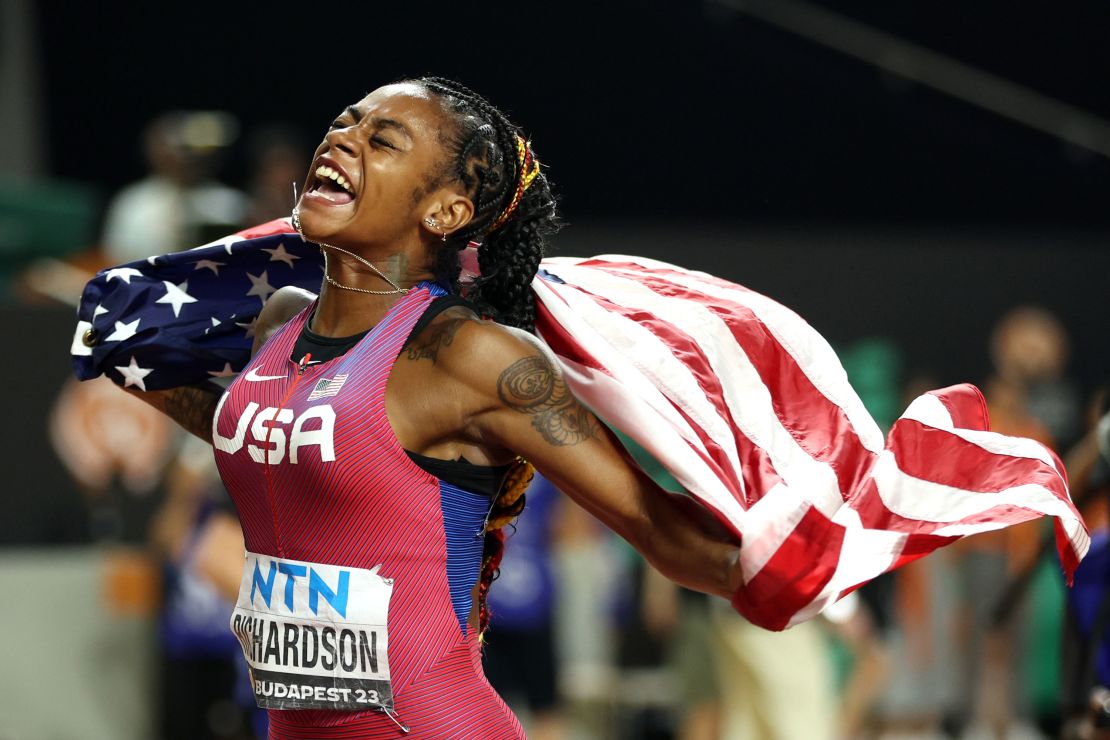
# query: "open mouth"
332,185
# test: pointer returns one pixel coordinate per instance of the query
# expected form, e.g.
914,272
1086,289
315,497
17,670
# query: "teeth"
338,179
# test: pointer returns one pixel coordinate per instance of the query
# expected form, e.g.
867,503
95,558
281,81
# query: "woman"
364,442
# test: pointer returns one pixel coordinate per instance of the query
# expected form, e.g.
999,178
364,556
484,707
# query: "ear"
448,213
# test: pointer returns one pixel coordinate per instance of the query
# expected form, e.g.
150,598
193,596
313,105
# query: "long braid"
508,506
514,214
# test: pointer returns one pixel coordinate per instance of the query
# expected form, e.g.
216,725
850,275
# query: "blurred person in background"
1027,395
679,620
1029,390
179,204
117,451
276,156
200,655
520,655
1086,649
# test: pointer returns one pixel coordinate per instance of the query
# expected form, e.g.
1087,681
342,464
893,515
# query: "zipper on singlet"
301,367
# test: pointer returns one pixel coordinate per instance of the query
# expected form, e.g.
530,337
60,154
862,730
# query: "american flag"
740,399
748,407
187,317
328,387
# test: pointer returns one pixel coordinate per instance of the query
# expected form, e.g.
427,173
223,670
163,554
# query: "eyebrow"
354,112
392,124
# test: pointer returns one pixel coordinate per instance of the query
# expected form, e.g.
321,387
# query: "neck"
361,275
342,312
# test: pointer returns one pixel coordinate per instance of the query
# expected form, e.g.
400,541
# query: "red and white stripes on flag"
751,411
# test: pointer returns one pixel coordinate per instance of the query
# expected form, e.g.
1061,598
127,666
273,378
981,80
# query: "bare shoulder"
517,388
495,361
283,305
460,343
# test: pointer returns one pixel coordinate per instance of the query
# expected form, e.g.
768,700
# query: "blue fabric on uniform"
464,517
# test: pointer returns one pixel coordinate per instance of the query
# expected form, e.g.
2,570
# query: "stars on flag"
212,265
123,331
176,296
260,286
248,327
227,372
280,255
133,374
132,321
123,273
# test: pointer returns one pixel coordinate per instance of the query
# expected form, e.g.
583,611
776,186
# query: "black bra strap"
435,308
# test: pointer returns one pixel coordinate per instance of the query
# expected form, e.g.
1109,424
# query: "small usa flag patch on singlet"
327,387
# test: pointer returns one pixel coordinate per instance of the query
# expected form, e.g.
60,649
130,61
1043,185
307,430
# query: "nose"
342,139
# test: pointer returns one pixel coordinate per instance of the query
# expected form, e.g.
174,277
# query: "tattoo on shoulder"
434,338
532,386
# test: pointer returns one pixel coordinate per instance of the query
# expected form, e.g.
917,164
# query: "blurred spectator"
775,685
1030,350
1086,667
1027,396
200,655
179,204
277,160
520,654
116,448
679,619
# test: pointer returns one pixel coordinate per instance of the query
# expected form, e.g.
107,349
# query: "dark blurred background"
671,109
716,118
903,174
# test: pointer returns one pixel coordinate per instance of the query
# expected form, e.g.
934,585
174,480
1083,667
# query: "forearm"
537,416
679,537
191,406
685,542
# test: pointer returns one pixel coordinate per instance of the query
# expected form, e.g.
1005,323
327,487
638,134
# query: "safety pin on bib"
396,719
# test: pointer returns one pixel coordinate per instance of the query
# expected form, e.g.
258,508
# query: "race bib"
314,635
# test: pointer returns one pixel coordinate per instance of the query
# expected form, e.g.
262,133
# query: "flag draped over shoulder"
187,317
740,399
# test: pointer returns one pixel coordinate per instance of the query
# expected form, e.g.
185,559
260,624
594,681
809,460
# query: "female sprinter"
375,442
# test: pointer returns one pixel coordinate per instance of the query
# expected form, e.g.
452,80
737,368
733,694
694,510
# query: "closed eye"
379,141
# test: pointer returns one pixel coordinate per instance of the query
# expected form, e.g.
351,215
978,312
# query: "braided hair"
483,146
514,214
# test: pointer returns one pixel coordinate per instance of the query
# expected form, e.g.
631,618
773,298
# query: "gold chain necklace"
397,289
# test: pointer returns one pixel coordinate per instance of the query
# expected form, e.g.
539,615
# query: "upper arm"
524,405
283,305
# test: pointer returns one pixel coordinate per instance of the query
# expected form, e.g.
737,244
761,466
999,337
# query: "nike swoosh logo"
254,377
